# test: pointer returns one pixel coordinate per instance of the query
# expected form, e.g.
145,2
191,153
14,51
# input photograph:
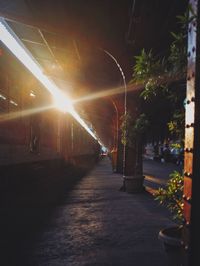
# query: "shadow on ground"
29,194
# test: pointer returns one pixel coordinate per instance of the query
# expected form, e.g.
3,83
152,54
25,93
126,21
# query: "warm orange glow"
107,92
63,103
17,114
61,100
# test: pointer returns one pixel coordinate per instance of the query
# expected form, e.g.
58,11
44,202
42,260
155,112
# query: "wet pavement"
95,224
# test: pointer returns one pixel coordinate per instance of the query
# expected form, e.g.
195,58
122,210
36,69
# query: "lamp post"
117,124
125,109
116,133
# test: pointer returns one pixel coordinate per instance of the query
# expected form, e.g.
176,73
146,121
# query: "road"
157,173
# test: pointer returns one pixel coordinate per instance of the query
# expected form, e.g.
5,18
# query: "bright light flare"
85,126
62,102
108,92
32,94
121,90
82,123
14,44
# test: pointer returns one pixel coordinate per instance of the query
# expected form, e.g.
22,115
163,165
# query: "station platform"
95,224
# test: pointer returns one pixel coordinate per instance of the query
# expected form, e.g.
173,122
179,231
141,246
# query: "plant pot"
134,184
172,242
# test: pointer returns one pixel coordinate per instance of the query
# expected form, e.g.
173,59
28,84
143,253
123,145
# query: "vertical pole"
59,134
124,146
125,112
72,138
192,138
116,133
117,124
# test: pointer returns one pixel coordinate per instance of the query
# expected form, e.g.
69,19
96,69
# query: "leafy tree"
176,125
146,66
133,130
162,79
178,50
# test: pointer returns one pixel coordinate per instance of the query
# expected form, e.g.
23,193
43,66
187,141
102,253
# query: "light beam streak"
14,44
164,79
9,38
17,114
107,93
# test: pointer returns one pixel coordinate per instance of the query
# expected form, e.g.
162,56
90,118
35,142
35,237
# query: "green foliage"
176,125
153,89
146,66
149,70
178,48
127,123
133,129
141,125
171,196
176,145
156,72
178,55
162,78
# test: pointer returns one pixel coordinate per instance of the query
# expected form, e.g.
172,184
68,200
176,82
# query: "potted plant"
132,136
172,237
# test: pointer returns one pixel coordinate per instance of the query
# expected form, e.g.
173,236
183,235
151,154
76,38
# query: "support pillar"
192,139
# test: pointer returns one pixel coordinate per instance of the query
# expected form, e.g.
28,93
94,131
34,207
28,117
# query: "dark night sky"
106,24
92,24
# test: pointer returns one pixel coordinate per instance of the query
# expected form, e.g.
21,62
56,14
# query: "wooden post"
192,138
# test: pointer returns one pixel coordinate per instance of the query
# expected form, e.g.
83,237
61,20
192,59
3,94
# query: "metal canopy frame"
52,51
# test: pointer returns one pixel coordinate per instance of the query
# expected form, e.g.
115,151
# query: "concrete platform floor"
96,224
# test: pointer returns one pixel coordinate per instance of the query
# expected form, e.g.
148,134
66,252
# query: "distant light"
104,149
14,103
2,97
100,143
32,94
